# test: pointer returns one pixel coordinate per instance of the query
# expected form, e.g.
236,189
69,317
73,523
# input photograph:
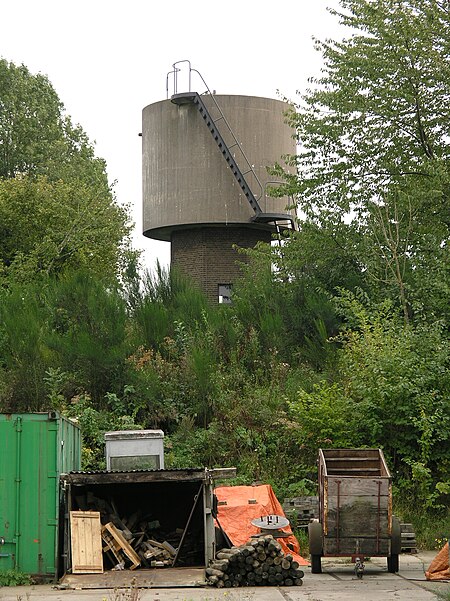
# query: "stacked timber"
301,510
260,562
139,540
408,538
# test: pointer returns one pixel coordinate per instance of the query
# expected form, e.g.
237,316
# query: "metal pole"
18,480
378,516
196,498
338,542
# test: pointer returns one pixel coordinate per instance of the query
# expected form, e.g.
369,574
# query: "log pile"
260,562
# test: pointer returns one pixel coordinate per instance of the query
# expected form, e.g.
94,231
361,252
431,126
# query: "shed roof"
194,474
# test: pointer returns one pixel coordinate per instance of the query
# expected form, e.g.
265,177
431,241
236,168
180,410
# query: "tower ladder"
196,100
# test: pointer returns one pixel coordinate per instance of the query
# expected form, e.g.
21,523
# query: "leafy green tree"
37,137
51,227
379,112
374,149
57,210
398,383
31,124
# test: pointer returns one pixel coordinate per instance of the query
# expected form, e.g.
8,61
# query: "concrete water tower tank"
205,179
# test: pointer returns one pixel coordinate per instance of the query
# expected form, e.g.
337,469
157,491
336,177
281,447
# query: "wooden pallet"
301,510
408,538
118,546
86,542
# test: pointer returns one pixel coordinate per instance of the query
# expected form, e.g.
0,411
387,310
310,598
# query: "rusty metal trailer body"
355,508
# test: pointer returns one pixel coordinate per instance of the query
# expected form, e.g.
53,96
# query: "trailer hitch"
359,567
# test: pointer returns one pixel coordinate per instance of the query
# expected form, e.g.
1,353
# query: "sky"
108,59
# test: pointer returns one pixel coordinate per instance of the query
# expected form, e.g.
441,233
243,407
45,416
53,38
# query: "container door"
29,493
38,496
8,491
208,521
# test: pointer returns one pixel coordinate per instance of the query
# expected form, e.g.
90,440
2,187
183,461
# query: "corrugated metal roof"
136,476
187,470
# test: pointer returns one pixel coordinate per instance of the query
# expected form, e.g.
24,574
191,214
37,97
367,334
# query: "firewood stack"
260,562
154,546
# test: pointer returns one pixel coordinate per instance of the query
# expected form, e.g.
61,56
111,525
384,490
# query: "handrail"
175,72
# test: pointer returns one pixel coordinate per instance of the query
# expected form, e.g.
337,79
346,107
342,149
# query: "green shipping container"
35,449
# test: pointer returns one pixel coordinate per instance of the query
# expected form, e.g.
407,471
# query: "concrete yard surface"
337,582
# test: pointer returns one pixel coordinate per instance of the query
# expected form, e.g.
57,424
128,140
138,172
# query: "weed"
244,595
132,593
14,578
431,529
440,542
301,535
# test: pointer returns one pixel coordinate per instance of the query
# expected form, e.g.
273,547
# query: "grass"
301,534
432,531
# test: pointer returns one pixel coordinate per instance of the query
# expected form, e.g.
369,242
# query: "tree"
398,383
31,124
52,227
374,147
24,356
74,324
37,137
57,209
287,305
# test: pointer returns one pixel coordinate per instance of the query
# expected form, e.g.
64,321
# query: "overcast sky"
107,59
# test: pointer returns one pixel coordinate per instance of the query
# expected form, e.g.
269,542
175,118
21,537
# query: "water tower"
205,180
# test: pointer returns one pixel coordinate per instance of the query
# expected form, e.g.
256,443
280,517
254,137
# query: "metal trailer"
355,509
35,449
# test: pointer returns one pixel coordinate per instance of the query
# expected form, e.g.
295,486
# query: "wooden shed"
171,509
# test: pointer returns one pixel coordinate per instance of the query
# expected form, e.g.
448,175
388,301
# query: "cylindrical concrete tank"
187,184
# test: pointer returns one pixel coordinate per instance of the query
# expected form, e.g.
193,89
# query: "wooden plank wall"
362,517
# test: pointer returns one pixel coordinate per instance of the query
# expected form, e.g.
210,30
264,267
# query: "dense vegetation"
338,337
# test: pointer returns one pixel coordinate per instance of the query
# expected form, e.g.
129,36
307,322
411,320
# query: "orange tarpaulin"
439,568
235,514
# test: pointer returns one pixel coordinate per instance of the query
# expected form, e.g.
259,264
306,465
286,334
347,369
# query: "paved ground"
337,583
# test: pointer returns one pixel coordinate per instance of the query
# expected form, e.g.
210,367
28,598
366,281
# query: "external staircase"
239,173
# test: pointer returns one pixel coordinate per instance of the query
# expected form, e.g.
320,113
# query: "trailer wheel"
315,538
396,536
396,546
392,563
315,546
316,564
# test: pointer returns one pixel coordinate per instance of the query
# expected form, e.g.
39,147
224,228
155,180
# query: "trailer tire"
396,536
315,538
392,562
316,564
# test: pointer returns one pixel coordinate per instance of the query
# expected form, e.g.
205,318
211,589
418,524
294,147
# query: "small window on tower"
225,294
